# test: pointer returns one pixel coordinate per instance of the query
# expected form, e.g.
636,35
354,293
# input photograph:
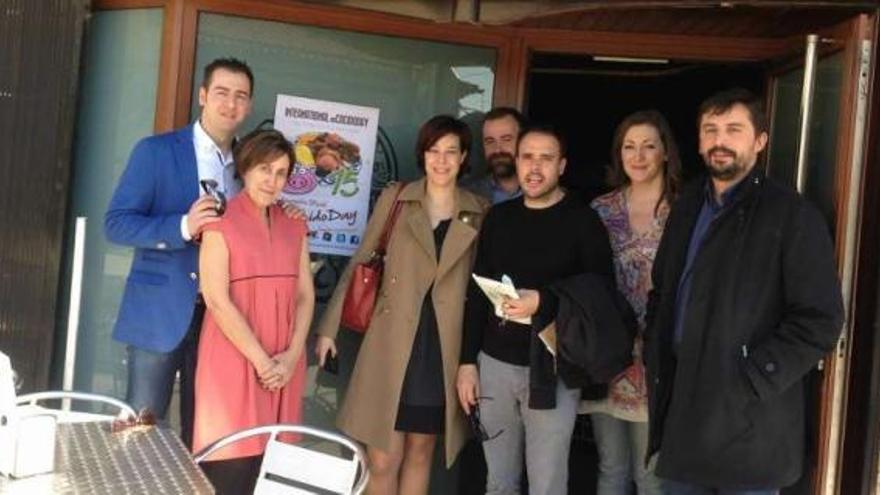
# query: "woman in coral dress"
255,278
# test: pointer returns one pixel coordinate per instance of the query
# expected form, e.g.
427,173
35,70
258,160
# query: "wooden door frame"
180,32
514,47
642,45
833,409
832,430
862,424
708,49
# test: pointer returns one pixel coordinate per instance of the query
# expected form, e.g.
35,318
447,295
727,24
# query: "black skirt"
423,397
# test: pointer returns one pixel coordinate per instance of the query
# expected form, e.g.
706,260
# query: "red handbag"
360,298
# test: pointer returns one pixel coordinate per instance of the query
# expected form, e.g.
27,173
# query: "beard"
726,171
501,165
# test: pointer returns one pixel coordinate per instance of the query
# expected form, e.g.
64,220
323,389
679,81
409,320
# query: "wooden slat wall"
39,61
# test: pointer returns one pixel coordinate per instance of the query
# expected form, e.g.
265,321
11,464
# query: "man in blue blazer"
157,209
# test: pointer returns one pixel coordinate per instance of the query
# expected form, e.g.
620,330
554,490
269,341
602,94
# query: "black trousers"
188,373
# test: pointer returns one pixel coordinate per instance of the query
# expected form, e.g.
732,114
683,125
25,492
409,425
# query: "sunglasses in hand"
145,418
477,427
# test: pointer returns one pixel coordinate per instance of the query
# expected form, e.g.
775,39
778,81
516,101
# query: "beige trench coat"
370,407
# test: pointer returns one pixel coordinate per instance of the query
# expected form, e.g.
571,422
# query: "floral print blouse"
634,254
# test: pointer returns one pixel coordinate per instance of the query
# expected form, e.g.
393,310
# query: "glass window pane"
408,80
782,156
116,108
824,126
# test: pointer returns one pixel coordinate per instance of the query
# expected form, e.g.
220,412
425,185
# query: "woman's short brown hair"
261,146
437,127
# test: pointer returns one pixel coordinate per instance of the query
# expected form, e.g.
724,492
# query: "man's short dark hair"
232,65
434,129
501,112
723,101
547,130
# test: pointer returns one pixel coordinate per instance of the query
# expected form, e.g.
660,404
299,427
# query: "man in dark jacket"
746,301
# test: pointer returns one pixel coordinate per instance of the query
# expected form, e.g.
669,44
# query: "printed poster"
334,144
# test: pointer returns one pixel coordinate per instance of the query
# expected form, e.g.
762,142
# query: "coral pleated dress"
263,274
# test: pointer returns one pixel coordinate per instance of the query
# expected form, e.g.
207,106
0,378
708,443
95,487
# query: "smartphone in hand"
331,364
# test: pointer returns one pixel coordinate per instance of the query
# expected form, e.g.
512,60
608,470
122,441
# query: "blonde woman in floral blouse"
645,175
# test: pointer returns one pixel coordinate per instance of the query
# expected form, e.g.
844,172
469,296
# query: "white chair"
29,402
289,469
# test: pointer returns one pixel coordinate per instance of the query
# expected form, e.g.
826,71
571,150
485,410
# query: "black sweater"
534,247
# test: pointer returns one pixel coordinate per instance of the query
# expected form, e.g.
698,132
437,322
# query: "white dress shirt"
213,164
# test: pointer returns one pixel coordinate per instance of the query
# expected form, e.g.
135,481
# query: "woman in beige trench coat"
402,391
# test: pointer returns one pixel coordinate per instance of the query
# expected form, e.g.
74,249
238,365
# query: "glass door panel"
819,179
821,157
116,108
833,170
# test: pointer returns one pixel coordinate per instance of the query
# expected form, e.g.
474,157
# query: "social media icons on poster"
338,238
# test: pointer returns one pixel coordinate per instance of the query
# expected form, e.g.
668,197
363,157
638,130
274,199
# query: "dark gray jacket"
727,406
595,330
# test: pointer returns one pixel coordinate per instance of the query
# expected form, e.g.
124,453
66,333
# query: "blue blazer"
158,186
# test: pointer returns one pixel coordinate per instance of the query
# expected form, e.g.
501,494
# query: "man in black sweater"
544,236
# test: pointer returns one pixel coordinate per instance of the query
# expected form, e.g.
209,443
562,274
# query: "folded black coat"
595,331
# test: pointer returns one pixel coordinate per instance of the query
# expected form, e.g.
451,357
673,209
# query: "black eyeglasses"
477,427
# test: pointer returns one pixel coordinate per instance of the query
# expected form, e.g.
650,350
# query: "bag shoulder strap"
390,221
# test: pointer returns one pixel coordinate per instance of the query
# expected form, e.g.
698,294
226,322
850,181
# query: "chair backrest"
74,416
291,469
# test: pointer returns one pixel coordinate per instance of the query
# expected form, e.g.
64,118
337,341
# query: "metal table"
89,459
